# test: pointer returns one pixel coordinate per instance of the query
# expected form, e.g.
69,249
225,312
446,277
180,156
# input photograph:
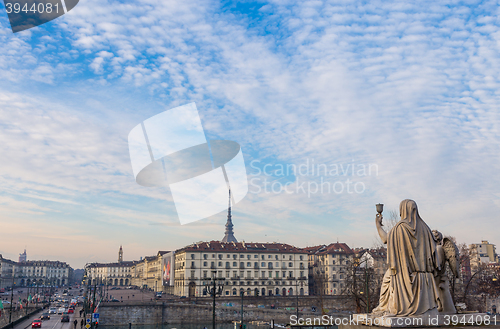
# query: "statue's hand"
378,220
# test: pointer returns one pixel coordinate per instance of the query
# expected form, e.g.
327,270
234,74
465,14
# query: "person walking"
75,323
82,323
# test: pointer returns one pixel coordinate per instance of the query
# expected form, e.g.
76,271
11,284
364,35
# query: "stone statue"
448,252
415,281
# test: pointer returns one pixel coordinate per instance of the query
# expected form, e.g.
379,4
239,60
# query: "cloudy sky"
409,90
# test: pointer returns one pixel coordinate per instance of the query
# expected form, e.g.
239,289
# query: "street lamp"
242,292
214,291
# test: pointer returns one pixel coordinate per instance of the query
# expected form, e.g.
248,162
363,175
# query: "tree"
362,283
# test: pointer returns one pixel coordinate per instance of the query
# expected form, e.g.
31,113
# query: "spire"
229,235
120,255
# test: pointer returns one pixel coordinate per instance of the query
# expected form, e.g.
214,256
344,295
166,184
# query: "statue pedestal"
366,321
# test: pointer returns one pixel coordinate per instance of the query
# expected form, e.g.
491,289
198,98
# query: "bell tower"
120,255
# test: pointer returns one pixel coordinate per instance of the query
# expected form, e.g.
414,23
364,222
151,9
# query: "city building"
112,274
375,259
148,272
327,268
252,268
44,272
483,252
23,257
34,272
7,271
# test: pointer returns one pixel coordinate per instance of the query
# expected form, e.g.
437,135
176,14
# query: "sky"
375,101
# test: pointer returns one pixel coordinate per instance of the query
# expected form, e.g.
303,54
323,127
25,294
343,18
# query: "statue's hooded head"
409,212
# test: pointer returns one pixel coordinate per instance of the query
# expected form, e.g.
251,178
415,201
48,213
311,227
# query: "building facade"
327,268
254,269
44,272
483,252
148,272
111,274
8,272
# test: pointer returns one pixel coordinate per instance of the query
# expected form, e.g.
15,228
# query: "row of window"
235,256
248,264
278,274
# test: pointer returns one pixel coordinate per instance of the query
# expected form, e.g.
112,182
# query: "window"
249,264
227,264
242,256
270,274
242,264
220,263
255,256
228,256
204,274
263,264
204,263
301,257
192,256
204,256
235,264
276,257
220,256
269,256
212,264
290,264
235,256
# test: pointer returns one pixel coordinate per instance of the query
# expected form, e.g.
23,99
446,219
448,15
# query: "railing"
192,266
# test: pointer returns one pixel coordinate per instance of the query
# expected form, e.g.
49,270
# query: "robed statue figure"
411,285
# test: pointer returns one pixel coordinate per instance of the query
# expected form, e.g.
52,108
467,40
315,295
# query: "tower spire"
120,255
229,235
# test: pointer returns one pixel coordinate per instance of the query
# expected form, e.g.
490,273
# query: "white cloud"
412,87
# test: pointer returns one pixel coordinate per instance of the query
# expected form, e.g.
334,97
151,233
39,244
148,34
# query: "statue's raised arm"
381,232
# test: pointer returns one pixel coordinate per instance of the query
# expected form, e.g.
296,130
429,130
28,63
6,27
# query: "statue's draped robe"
408,286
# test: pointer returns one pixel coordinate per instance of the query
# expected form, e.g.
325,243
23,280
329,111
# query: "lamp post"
11,298
241,323
297,297
215,291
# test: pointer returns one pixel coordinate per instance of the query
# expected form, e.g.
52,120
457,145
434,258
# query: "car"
45,316
61,310
52,310
37,323
65,318
70,310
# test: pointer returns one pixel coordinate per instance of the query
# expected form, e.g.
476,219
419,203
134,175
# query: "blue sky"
410,87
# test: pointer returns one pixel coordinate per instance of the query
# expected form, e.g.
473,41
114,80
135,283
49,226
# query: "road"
54,322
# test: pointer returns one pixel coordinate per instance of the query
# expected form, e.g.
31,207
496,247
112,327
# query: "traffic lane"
55,322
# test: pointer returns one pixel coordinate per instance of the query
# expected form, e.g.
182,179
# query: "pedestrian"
82,323
75,322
